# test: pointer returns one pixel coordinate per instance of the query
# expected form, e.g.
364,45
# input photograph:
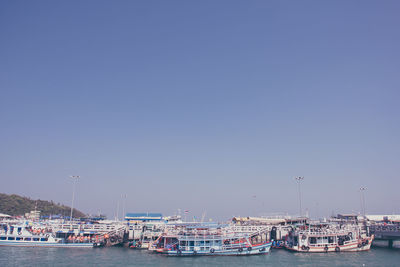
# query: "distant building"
347,217
33,215
373,218
383,218
143,217
268,221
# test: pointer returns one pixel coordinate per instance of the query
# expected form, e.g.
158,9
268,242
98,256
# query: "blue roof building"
143,217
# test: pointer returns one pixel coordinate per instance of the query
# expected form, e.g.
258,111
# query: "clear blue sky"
201,105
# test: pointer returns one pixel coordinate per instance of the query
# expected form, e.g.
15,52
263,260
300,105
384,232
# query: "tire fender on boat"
212,250
326,248
240,249
337,249
249,248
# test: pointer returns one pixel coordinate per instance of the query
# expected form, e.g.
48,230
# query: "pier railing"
307,233
385,228
386,232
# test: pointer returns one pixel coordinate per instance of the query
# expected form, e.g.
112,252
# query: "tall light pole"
299,179
362,189
75,178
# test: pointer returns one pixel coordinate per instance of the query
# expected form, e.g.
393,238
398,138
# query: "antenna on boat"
75,178
179,213
203,216
362,196
299,179
117,214
123,196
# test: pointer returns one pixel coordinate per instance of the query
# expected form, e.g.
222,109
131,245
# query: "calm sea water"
15,256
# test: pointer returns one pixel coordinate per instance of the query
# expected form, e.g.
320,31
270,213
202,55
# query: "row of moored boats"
186,239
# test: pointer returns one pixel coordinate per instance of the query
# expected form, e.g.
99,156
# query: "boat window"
3,238
313,240
27,239
18,238
11,238
35,239
44,239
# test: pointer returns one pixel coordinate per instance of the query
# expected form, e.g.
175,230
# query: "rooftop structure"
377,218
143,217
268,221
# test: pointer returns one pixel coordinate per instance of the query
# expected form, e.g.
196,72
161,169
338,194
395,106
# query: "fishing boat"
204,241
327,238
145,234
23,236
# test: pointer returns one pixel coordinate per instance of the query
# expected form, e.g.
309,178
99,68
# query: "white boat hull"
45,244
243,251
356,245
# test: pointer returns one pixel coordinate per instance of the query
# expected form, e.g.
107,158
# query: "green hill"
16,205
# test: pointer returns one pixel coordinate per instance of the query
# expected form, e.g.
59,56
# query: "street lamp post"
299,179
362,189
75,178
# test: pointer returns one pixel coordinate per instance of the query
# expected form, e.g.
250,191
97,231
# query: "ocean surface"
20,256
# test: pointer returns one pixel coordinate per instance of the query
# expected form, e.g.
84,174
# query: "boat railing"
321,245
385,228
209,237
331,243
330,233
222,246
236,245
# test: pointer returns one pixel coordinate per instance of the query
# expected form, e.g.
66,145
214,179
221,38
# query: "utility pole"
75,179
299,179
